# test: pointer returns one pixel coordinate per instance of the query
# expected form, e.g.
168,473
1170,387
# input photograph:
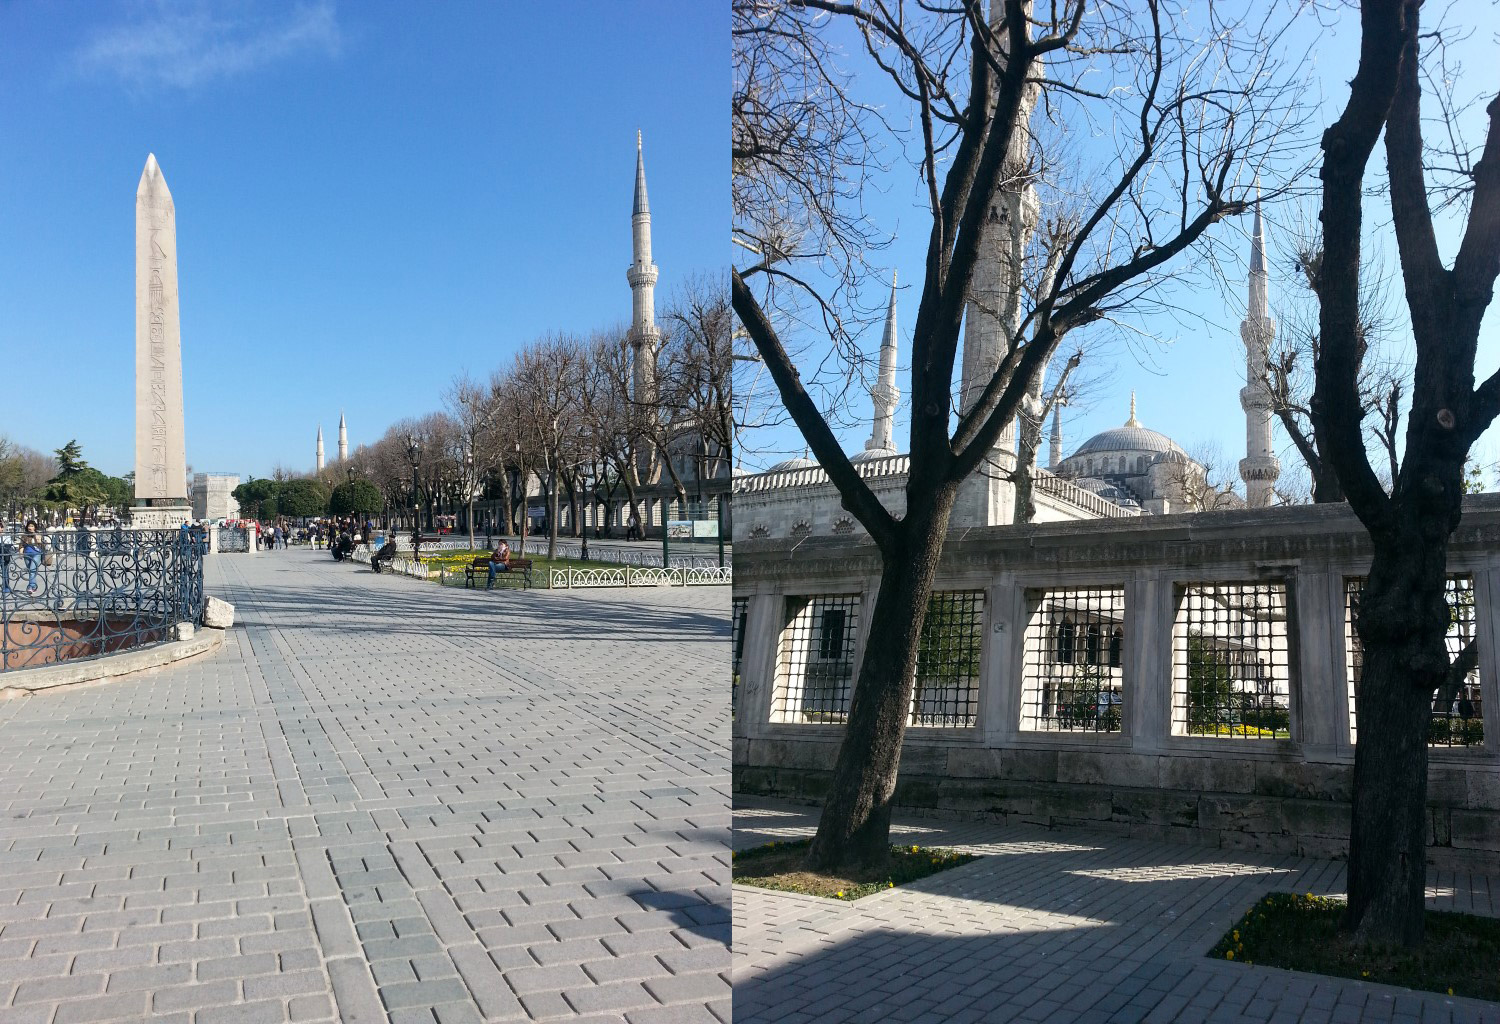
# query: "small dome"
798,463
873,453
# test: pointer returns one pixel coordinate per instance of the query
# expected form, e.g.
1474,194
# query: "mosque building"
1129,470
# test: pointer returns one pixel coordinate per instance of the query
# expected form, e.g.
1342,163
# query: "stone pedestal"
159,517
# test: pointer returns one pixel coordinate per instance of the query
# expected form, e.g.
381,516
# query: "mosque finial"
1132,422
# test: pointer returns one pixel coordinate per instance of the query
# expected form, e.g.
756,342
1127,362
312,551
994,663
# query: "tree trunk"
552,514
854,831
1030,432
1403,621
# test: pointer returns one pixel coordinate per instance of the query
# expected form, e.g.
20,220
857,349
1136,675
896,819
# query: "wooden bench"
520,568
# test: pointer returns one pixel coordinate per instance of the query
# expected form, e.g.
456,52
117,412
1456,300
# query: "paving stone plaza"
380,800
1052,925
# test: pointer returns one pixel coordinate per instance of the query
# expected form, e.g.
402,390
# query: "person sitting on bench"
386,554
499,562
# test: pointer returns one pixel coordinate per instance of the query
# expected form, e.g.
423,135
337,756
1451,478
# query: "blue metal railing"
103,591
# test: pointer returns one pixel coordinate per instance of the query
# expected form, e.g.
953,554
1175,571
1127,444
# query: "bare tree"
1193,123
1289,369
547,379
697,366
477,408
1403,615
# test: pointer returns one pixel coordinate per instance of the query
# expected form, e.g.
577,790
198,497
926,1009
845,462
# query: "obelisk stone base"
160,517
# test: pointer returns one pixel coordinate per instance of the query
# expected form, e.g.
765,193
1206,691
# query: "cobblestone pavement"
1058,925
380,800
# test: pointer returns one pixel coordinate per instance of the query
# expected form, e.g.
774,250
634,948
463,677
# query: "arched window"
1116,645
1091,645
1067,639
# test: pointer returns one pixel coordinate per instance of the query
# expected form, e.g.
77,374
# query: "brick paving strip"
380,801
1065,925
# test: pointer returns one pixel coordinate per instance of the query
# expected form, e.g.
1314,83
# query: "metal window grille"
1231,672
815,664
946,694
1072,678
739,609
1457,713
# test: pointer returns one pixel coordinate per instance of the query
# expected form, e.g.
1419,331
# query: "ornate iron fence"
89,593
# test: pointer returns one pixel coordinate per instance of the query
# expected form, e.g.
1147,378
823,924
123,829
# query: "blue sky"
371,197
1186,368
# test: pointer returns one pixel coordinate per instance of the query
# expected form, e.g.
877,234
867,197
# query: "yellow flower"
839,894
1236,935
1364,974
1450,991
1229,955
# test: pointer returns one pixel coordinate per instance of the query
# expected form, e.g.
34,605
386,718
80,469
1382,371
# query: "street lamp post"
414,453
521,486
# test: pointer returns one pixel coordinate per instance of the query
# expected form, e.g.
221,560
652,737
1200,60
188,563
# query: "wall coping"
24,682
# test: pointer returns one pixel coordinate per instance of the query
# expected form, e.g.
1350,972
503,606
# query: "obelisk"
161,499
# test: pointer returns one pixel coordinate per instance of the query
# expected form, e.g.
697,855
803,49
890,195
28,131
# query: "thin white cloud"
184,43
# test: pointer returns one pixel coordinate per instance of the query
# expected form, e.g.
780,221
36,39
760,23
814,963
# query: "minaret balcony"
1260,469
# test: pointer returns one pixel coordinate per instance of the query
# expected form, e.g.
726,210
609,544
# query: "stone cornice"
1259,537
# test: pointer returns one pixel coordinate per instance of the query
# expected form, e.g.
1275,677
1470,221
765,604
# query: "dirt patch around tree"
1300,932
779,866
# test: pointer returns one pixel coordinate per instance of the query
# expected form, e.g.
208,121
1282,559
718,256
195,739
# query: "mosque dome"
1129,439
873,453
1132,437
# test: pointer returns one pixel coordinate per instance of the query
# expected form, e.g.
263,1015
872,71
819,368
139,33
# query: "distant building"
213,496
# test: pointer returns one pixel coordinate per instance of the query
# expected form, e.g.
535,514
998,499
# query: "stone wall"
1286,789
796,503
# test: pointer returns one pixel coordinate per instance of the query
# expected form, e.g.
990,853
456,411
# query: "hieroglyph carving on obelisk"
160,456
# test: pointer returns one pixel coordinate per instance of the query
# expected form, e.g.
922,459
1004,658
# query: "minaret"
320,447
645,337
1259,468
343,438
884,394
993,314
1055,449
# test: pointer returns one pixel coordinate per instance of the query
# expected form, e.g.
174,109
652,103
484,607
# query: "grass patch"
1300,932
541,568
779,866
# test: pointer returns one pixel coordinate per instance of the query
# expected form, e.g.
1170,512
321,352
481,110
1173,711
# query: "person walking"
633,526
34,545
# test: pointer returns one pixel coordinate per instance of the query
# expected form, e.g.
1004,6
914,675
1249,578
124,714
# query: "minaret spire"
320,447
1259,468
884,394
645,336
343,438
1132,422
1055,449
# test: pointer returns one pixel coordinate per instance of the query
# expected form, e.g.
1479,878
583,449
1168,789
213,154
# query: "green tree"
253,495
70,460
1210,694
302,498
356,497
